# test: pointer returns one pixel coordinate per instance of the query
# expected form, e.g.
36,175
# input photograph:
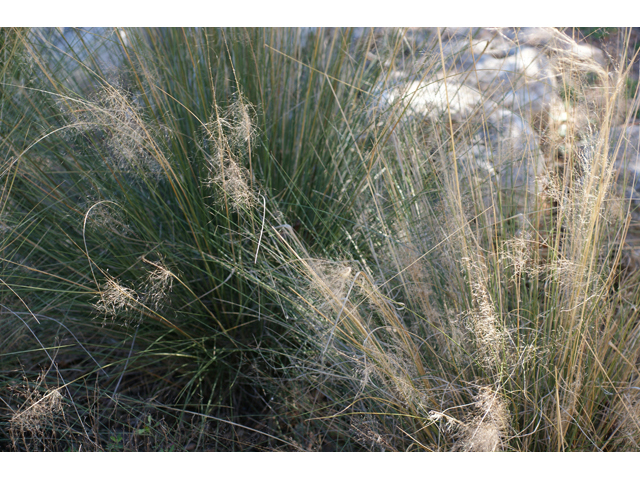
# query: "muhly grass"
274,239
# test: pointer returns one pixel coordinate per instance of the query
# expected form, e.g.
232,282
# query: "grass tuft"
306,240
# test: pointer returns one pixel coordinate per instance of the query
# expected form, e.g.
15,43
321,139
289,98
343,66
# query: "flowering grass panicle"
243,122
230,136
32,417
329,283
115,299
158,285
516,253
105,220
488,429
115,118
484,322
39,411
234,181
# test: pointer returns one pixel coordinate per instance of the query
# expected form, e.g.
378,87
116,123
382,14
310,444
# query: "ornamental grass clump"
139,199
287,239
456,294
